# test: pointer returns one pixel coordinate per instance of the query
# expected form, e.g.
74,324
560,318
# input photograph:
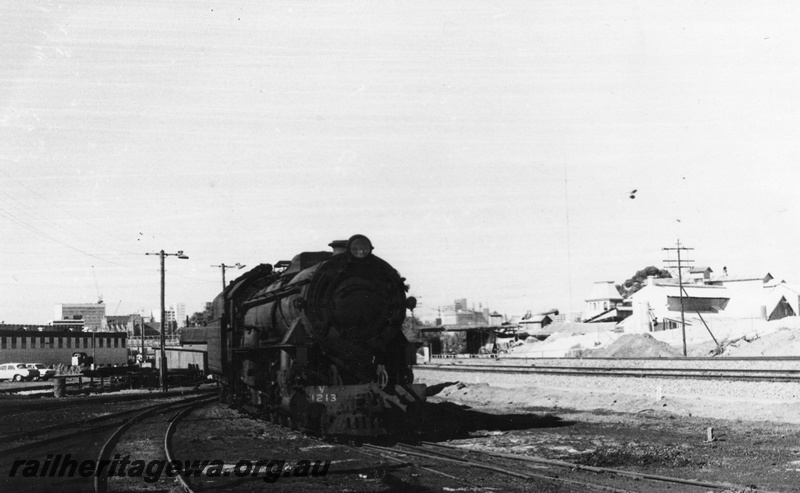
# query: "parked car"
17,372
44,372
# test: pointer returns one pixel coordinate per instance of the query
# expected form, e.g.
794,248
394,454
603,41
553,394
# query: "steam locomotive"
316,343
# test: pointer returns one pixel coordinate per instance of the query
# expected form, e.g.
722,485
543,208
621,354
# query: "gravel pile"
635,346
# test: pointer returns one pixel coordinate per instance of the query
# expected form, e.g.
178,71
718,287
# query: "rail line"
35,406
101,481
422,452
182,481
498,462
762,375
486,460
111,418
78,438
523,357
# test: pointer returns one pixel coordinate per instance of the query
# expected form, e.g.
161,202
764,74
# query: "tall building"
169,314
180,313
458,314
175,312
92,314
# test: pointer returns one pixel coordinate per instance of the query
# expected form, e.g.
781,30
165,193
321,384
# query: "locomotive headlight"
359,246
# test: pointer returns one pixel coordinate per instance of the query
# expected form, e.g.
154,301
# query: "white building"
180,313
707,300
602,302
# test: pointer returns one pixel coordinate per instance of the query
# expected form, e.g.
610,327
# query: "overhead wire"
17,212
34,229
20,207
34,192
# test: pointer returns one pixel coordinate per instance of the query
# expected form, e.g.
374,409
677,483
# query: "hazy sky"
488,149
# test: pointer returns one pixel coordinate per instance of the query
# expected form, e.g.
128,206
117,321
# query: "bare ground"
755,444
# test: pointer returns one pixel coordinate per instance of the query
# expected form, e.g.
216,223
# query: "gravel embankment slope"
758,401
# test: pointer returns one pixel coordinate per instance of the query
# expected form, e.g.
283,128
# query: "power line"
54,204
41,233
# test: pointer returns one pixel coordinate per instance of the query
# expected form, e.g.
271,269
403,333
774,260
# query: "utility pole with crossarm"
678,249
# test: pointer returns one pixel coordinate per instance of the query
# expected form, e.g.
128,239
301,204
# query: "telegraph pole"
141,333
163,371
678,249
223,267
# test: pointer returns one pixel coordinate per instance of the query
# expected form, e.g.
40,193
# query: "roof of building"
604,290
58,333
794,288
726,278
576,328
690,289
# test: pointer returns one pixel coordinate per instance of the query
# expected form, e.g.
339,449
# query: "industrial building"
57,347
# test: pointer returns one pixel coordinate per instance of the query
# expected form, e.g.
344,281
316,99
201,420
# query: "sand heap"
784,342
635,346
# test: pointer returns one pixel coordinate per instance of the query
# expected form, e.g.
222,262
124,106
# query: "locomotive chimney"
339,246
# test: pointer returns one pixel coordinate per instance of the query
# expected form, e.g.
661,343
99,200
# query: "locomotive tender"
317,344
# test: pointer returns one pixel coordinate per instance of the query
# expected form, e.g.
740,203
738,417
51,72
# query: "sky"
488,149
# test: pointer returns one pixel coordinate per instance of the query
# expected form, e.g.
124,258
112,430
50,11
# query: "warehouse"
57,347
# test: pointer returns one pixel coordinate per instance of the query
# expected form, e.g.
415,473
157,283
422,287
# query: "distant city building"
92,314
458,314
180,314
170,318
174,313
70,325
130,324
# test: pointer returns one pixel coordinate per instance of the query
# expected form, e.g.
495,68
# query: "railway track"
41,458
178,411
168,450
34,406
759,374
565,476
354,467
459,468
